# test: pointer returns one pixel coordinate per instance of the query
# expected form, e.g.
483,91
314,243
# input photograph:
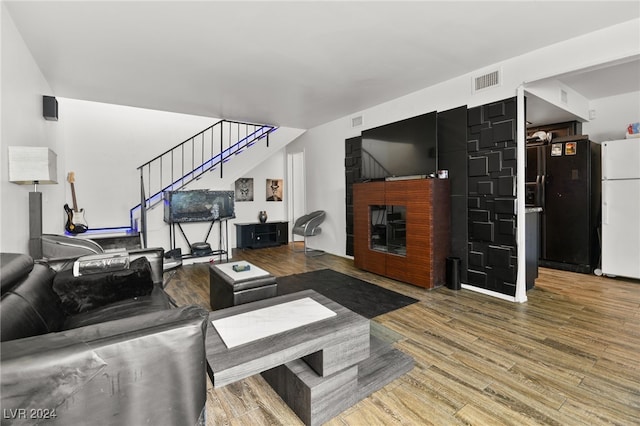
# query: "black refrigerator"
563,177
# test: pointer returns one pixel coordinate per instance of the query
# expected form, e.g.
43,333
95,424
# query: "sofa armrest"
148,369
154,255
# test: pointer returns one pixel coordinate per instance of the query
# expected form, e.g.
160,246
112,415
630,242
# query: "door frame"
296,196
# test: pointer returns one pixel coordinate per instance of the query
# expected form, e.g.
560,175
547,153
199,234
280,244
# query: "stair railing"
186,162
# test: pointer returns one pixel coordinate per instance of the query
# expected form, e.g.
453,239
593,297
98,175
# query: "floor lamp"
33,165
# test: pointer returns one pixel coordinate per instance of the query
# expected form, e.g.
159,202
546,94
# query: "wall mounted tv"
404,148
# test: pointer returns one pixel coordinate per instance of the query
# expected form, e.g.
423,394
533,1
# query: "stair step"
118,241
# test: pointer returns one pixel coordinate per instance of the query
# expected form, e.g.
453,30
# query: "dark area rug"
366,299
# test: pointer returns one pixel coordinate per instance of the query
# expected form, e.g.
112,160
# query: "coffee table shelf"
318,369
327,346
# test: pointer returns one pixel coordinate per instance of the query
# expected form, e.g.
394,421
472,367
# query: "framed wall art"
274,189
244,189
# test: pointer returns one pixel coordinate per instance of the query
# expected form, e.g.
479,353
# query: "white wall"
324,145
273,167
612,116
23,86
104,145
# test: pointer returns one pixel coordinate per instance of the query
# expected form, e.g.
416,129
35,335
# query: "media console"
259,235
402,229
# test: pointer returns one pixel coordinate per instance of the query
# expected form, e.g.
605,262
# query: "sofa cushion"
158,300
88,292
31,307
13,266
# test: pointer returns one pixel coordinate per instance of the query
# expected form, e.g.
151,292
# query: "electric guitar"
76,224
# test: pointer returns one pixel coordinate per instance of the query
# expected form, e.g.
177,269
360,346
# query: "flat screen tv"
404,148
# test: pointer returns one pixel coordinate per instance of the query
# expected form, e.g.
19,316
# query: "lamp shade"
32,164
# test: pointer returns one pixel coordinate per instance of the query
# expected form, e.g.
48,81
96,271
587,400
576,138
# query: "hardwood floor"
569,356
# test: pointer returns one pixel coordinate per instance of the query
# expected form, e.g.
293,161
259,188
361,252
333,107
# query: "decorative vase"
262,216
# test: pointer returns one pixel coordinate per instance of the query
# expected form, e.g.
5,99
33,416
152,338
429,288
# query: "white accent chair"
309,226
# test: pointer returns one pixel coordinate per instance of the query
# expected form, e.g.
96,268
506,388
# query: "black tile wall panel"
504,275
492,154
473,202
478,166
477,278
507,186
476,258
478,215
509,153
486,138
474,117
482,231
504,238
499,257
485,188
459,232
507,227
348,149
494,161
504,131
352,174
507,288
494,111
505,205
487,203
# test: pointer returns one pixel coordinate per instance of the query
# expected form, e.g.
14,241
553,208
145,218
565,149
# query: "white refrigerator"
621,208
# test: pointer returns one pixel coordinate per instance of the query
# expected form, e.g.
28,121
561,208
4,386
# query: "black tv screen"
404,148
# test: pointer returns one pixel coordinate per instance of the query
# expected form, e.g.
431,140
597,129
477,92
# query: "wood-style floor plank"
569,356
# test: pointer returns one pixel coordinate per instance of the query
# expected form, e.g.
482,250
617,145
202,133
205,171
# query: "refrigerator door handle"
605,205
539,198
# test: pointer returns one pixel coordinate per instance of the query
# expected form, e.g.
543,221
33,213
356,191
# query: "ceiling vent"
486,81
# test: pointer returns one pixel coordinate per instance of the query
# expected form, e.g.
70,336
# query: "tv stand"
402,229
260,235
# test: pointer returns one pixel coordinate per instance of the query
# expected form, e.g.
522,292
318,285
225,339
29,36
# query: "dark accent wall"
353,174
452,156
491,146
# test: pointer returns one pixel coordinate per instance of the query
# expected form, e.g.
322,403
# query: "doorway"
297,185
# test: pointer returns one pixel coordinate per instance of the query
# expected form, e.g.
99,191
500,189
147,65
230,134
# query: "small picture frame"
274,189
556,149
244,189
570,148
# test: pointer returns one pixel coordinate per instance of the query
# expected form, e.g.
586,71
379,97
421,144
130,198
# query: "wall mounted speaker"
50,108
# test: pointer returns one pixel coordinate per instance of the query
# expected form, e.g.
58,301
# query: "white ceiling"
296,64
602,81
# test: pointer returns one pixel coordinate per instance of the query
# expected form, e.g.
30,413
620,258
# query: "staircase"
186,162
